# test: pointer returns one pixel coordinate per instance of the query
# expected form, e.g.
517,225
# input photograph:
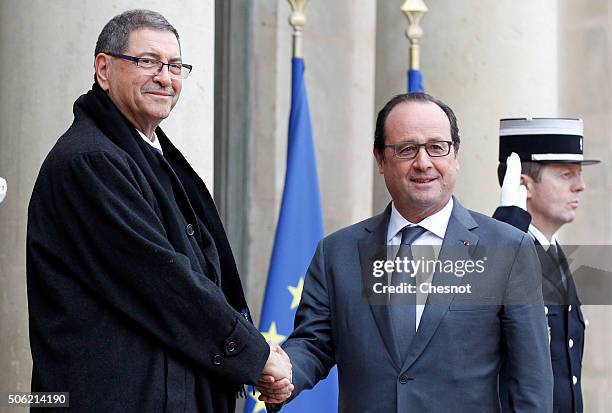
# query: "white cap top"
540,126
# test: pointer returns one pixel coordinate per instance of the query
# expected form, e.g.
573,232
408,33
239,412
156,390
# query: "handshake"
274,383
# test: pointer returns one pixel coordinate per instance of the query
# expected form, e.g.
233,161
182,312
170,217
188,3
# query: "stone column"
585,83
339,40
46,51
487,60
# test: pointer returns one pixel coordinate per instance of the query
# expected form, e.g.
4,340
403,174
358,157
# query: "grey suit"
454,360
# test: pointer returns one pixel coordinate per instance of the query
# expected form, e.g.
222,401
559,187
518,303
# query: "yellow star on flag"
296,292
272,335
259,405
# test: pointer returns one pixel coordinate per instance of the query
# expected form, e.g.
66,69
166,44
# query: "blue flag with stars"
300,227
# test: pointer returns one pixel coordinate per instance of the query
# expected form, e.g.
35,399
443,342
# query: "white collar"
537,235
435,223
155,143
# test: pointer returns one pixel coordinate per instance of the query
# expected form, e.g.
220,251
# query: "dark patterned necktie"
403,306
553,252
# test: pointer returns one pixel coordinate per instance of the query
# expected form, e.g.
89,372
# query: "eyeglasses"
410,150
153,67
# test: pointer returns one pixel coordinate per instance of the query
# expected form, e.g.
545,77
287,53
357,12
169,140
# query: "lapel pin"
466,243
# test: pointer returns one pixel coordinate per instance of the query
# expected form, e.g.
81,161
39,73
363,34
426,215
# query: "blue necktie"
403,306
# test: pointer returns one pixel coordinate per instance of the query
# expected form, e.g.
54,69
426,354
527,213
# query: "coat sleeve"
310,346
513,215
528,370
121,254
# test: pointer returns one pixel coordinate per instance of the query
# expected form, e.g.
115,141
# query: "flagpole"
298,231
414,10
297,21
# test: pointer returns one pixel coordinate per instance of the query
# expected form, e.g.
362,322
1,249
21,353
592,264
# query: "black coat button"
217,360
403,379
189,230
231,347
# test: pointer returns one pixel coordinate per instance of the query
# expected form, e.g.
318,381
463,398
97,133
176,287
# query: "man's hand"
512,192
275,381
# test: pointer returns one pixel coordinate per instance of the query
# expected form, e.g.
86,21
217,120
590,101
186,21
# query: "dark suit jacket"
455,357
130,308
565,323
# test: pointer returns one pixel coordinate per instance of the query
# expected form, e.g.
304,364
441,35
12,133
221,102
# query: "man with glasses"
407,355
135,303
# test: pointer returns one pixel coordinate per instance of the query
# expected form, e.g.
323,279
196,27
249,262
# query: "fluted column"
585,79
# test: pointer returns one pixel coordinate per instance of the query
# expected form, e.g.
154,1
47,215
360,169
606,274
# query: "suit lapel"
454,247
374,247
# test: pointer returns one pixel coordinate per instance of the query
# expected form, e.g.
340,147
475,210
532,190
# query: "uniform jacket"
454,360
566,326
135,303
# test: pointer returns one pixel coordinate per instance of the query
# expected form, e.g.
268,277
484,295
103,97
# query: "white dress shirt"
537,235
435,225
155,143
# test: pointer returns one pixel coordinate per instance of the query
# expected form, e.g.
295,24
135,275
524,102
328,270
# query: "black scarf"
194,198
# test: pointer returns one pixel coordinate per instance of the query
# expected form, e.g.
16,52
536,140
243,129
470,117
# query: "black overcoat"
135,304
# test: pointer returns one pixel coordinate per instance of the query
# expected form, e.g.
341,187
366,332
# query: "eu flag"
300,227
415,81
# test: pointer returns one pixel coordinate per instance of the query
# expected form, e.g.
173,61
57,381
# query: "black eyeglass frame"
419,146
161,64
